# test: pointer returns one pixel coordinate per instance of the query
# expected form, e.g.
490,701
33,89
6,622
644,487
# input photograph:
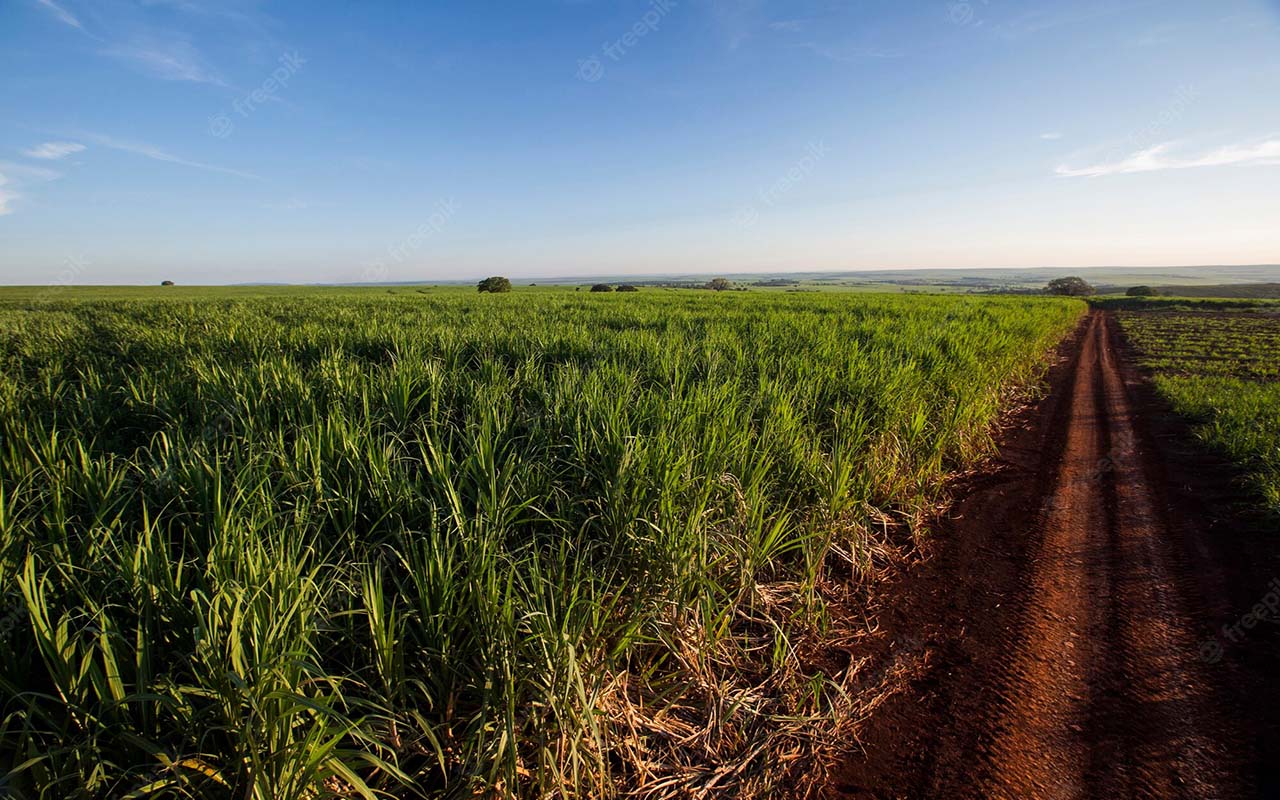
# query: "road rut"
1069,624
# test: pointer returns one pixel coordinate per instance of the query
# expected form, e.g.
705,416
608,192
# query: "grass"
1221,369
431,544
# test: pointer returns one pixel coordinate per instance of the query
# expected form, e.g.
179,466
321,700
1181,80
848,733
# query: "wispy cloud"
61,13
239,13
171,60
849,55
292,204
1160,158
51,151
67,18
128,34
1051,136
1058,15
13,177
737,20
27,172
6,196
1166,33
156,154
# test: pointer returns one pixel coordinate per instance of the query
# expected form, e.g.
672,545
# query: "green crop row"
446,545
1222,371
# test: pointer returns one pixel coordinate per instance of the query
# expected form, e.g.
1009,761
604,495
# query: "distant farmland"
1244,290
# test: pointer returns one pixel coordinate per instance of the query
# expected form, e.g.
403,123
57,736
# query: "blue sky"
219,142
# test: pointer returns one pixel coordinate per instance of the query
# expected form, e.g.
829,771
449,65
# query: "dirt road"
1067,639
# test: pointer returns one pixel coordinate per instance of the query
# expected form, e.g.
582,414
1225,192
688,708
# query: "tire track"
1081,677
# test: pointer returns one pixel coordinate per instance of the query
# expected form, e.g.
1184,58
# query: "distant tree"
1070,287
1142,291
602,287
626,287
166,283
719,284
495,285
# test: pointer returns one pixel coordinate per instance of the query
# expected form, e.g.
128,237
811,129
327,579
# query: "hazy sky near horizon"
209,141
